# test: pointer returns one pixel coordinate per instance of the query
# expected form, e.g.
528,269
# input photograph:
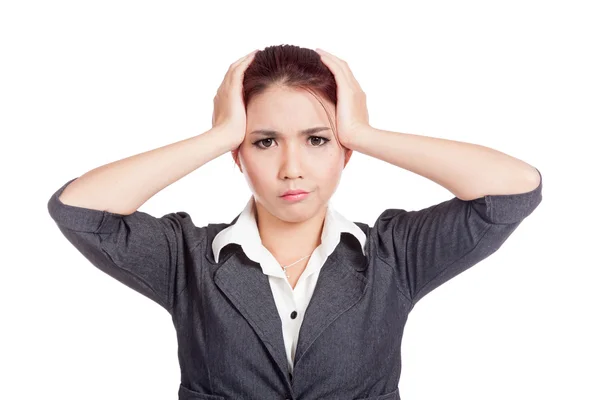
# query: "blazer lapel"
340,285
244,283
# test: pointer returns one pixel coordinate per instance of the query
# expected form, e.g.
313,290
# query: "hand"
229,114
352,115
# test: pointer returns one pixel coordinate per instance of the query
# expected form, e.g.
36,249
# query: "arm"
493,194
97,213
123,186
468,170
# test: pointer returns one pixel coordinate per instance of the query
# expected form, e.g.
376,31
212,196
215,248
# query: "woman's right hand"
229,114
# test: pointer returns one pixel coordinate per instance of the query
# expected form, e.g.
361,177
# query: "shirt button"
294,314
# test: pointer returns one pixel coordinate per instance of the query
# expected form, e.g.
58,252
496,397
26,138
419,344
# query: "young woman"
291,299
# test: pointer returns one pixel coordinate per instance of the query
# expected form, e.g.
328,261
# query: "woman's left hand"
352,115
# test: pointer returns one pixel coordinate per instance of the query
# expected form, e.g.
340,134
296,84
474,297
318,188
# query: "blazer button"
294,314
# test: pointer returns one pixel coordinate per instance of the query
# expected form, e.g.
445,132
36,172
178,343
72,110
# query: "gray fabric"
230,341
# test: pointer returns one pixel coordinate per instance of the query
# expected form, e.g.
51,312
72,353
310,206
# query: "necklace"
285,268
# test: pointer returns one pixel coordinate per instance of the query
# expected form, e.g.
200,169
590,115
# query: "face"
273,163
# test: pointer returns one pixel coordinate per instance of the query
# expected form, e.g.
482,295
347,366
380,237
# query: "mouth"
294,192
297,196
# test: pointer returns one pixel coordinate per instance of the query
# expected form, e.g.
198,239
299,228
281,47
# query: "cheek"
334,162
258,175
328,170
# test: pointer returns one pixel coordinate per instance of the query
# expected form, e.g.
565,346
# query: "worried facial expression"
289,144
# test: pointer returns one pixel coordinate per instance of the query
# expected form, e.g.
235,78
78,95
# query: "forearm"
123,186
467,170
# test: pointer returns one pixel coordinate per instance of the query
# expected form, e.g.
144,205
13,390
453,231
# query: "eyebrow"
304,132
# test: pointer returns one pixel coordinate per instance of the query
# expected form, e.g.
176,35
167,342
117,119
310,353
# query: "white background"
83,84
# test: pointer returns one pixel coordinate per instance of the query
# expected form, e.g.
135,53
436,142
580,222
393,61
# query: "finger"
350,76
343,68
241,67
353,83
331,60
236,70
242,59
337,61
336,66
237,62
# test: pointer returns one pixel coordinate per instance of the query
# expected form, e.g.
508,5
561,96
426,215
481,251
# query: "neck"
289,241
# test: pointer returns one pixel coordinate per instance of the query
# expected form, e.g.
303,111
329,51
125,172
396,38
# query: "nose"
291,165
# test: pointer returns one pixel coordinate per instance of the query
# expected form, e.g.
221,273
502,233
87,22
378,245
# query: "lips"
292,192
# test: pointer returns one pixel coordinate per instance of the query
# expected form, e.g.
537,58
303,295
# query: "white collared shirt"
245,233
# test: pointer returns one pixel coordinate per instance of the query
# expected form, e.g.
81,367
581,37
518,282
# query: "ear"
347,154
235,154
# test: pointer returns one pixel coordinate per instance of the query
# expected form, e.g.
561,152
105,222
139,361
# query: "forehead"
282,108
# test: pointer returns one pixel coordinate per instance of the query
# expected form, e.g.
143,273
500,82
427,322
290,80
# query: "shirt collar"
245,233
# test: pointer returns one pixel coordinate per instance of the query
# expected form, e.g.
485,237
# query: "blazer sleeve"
428,247
141,251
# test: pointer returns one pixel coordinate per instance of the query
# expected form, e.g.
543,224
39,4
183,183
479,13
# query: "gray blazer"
230,341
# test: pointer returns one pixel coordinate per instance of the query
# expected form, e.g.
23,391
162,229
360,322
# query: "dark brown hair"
291,66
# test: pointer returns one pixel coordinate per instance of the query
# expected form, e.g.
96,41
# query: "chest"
230,333
294,273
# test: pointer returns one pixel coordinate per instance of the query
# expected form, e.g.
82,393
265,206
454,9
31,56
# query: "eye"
321,138
325,140
261,141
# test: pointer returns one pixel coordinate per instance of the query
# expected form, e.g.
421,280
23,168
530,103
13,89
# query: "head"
288,90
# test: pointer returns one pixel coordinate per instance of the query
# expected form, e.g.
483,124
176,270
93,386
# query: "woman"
290,299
